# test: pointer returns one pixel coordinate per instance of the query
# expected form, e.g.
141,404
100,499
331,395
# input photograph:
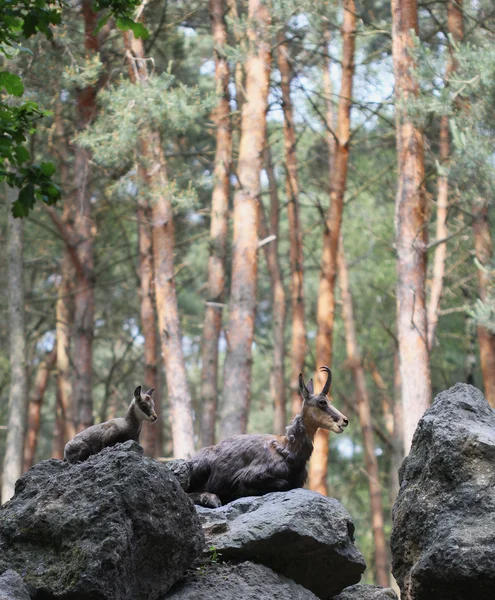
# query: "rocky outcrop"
116,527
443,539
243,581
181,469
367,592
300,534
12,587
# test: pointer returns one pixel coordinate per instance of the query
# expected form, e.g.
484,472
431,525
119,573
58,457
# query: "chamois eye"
322,403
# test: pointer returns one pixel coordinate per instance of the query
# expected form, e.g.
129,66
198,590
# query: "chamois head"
144,404
317,410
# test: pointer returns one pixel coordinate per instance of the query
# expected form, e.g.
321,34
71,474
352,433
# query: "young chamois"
254,465
95,438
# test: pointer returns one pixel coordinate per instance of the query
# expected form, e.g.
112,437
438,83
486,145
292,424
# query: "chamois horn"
328,382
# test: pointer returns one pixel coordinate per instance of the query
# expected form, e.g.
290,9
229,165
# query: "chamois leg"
205,499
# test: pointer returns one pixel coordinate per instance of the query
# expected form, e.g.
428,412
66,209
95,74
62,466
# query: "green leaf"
52,191
22,154
27,197
19,210
124,23
140,30
12,83
48,168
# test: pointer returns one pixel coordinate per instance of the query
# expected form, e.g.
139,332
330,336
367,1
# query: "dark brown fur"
254,465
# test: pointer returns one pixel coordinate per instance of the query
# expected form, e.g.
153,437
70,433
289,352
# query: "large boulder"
443,539
244,581
116,527
300,534
367,592
12,587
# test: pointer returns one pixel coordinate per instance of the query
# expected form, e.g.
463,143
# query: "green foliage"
162,105
123,11
18,21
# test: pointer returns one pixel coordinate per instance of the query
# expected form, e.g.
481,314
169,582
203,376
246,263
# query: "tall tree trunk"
64,311
242,307
410,227
64,308
150,435
484,253
218,229
298,344
238,70
277,377
18,398
84,230
364,411
34,419
326,290
456,30
153,174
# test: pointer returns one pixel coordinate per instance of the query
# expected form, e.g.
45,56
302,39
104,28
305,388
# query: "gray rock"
182,471
244,581
300,534
12,587
443,539
115,527
367,592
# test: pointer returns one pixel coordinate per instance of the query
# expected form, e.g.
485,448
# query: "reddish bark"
364,410
84,231
326,291
150,435
484,253
456,30
64,308
153,174
277,376
218,229
411,231
35,403
298,343
237,374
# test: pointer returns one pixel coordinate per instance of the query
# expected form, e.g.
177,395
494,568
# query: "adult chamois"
254,465
121,429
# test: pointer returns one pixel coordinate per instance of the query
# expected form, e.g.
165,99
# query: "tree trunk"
34,419
455,25
150,435
398,453
153,174
218,229
84,231
364,411
18,398
58,437
242,307
326,290
277,377
64,308
298,344
484,253
410,227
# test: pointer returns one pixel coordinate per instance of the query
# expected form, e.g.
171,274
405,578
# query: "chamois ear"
311,387
137,392
150,392
302,388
